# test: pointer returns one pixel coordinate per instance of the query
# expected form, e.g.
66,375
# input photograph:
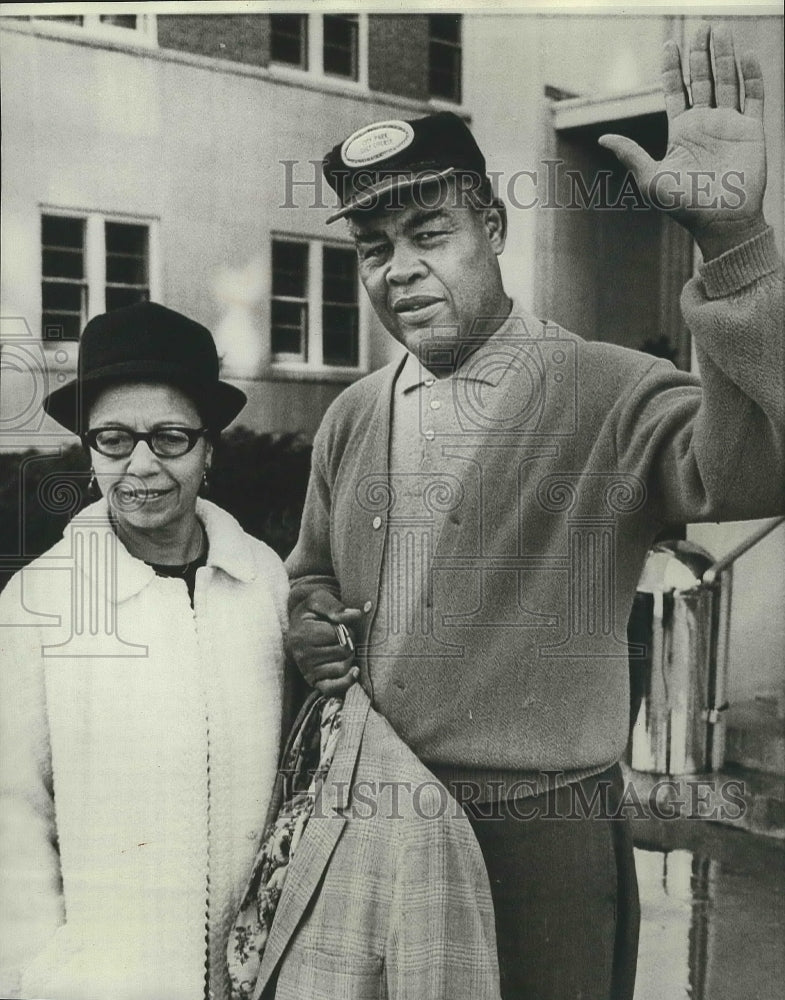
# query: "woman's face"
147,492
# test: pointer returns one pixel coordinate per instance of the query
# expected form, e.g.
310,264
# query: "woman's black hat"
146,343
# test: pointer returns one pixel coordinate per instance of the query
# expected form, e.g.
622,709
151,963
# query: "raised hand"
713,176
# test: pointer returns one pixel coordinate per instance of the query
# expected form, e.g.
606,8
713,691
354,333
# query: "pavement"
712,912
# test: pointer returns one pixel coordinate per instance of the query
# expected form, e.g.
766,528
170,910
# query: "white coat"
138,746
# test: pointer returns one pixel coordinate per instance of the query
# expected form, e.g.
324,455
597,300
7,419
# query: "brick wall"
398,54
241,38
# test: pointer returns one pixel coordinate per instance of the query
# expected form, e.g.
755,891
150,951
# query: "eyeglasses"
164,442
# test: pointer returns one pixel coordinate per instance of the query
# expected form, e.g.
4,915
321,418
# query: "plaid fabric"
304,768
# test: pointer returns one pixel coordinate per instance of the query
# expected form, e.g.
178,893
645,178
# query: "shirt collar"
479,367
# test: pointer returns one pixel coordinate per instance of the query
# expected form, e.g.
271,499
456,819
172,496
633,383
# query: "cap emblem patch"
376,142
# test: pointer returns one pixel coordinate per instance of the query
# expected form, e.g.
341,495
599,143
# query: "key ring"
344,636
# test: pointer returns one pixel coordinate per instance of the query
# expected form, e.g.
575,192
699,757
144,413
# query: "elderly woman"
140,690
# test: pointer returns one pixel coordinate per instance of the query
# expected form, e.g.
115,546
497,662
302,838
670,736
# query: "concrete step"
755,736
740,797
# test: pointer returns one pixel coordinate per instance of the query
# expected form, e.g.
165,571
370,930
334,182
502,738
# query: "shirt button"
377,522
436,404
367,606
429,435
429,382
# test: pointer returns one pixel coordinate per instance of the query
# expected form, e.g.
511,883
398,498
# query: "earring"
205,487
92,486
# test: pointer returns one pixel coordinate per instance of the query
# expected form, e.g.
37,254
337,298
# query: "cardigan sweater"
583,454
139,743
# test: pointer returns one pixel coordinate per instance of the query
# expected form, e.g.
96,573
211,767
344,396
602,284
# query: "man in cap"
479,512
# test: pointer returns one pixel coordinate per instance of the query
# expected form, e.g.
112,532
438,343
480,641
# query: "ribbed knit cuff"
739,267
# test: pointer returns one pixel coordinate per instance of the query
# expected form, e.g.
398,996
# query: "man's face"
431,267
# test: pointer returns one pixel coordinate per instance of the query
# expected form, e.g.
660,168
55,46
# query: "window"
120,27
330,46
289,39
340,50
340,315
289,327
89,265
63,284
444,56
127,280
315,312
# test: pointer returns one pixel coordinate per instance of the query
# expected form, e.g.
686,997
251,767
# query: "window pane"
339,275
119,20
59,231
62,295
288,34
60,326
446,27
124,238
444,56
117,298
340,326
63,300
444,72
340,45
127,271
290,269
289,321
57,17
63,263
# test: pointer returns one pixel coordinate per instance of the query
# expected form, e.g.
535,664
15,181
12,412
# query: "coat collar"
228,549
322,834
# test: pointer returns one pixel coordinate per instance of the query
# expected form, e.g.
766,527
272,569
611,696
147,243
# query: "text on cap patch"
376,142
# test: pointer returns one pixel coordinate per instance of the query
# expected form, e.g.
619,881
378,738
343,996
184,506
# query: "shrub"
259,478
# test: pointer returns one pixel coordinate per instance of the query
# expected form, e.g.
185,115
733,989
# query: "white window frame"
145,32
315,55
95,253
314,348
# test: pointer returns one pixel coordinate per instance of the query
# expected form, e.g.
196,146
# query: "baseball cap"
387,156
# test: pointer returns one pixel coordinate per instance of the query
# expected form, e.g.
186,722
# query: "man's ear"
496,225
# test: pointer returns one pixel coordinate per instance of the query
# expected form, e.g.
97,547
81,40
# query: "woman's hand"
323,652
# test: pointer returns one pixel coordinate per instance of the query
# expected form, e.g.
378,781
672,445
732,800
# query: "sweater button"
367,606
429,435
377,523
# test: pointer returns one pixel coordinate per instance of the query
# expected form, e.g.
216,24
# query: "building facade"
177,157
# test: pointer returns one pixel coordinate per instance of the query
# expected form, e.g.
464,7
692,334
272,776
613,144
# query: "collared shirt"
427,477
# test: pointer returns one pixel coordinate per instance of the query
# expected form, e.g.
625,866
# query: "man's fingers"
330,671
701,82
318,633
351,617
752,77
726,79
632,156
334,689
321,605
673,87
318,657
